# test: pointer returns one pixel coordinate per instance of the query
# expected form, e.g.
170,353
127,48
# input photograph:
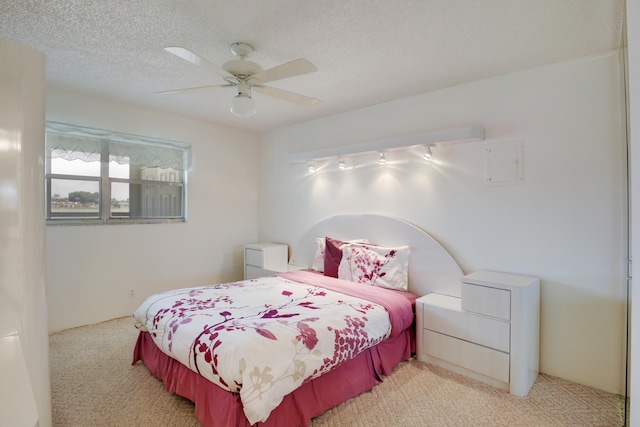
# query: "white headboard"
431,267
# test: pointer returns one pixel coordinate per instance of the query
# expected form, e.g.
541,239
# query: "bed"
309,340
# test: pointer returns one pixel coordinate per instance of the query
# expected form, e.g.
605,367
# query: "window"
96,176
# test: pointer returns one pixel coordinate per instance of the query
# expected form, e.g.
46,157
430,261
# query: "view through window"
102,177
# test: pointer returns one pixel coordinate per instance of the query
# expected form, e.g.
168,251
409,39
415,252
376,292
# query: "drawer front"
485,331
482,360
485,300
251,272
253,257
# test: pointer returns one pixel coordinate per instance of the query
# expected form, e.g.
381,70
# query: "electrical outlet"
132,292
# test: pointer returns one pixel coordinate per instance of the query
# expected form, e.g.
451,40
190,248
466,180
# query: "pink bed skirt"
217,407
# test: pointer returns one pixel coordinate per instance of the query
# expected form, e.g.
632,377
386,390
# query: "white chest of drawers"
491,333
264,259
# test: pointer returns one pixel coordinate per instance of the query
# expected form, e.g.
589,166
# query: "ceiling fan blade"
289,69
185,54
189,56
191,89
288,96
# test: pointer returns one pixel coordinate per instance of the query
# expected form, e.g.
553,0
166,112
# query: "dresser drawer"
253,257
443,314
485,300
252,272
483,360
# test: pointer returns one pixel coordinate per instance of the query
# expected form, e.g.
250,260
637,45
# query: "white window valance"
79,143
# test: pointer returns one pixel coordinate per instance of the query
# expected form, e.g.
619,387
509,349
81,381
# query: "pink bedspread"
215,407
394,301
263,339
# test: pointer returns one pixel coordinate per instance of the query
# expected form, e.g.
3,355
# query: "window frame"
105,216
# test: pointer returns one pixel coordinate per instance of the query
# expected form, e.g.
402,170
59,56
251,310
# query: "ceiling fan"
247,76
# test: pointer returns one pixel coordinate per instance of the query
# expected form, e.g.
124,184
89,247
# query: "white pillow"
375,265
318,259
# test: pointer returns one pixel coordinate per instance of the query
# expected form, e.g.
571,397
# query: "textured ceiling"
366,51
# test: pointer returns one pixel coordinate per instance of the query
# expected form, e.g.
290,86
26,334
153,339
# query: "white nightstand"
490,334
264,259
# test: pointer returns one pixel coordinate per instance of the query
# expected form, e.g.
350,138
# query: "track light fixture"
430,139
380,147
427,153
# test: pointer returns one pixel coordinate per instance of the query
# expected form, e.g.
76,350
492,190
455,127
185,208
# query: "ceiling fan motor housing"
241,68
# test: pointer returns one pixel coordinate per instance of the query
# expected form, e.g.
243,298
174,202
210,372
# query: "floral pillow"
375,265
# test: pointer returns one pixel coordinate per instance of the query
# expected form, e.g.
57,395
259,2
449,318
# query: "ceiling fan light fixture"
243,105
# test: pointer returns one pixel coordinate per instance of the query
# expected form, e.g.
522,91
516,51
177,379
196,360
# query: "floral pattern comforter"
264,338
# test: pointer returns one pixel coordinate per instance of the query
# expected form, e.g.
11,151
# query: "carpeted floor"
94,385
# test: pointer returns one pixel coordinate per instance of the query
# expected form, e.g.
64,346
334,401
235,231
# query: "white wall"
91,268
23,308
565,224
